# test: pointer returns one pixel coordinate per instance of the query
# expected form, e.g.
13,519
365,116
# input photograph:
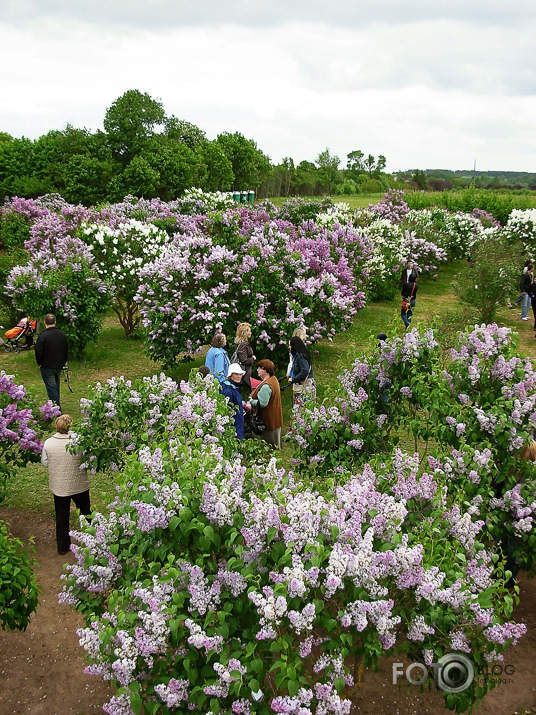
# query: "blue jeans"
51,378
406,317
525,305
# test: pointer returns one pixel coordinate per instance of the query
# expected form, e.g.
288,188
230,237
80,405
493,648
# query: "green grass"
114,355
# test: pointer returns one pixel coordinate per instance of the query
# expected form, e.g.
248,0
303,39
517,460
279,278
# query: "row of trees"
445,179
141,151
144,152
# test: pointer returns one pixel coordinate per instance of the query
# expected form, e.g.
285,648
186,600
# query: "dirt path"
42,669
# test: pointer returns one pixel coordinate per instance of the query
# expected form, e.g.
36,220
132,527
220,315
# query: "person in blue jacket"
231,390
301,374
217,359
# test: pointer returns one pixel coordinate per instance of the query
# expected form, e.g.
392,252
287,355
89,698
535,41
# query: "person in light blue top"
217,359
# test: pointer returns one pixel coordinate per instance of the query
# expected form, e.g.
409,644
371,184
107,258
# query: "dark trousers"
62,506
51,378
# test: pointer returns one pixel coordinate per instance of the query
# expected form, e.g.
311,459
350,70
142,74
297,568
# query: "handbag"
257,425
297,388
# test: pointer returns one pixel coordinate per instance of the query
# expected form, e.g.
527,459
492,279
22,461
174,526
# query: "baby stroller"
21,337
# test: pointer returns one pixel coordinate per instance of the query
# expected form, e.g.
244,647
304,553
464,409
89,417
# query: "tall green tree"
250,166
328,169
306,179
16,171
130,122
179,167
419,177
355,164
182,131
218,174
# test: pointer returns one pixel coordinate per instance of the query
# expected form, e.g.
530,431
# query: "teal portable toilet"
251,196
243,196
236,196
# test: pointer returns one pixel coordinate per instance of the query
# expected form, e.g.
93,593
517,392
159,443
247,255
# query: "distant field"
356,201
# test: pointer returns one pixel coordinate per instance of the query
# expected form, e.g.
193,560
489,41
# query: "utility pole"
474,174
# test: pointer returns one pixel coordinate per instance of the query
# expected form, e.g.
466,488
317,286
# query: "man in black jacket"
409,274
51,354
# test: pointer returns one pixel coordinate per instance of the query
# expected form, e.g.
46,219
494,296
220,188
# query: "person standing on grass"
525,288
244,353
51,352
65,479
301,375
532,292
217,359
231,389
409,273
266,398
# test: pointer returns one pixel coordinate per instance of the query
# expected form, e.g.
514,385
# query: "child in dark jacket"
231,390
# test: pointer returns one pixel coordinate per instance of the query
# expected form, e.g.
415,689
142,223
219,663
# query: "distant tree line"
144,152
446,179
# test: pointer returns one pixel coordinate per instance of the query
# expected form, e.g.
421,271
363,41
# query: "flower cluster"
119,253
22,424
521,225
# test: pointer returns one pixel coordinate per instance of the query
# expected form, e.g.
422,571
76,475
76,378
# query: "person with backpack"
243,354
301,374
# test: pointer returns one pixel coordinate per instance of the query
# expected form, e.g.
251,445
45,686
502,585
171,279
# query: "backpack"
234,357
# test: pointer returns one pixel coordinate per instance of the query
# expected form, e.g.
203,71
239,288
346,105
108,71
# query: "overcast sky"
428,84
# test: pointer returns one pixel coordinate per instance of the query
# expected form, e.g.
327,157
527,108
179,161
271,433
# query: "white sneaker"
524,318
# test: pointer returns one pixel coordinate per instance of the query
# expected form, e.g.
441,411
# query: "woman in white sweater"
65,479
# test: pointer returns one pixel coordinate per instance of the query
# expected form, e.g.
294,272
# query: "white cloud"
427,86
164,14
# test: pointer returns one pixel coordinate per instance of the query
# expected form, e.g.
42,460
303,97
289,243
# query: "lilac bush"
120,417
521,225
64,282
478,410
119,254
242,267
392,206
22,424
216,587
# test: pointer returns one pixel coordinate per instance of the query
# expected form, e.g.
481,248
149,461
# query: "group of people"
408,289
263,395
68,481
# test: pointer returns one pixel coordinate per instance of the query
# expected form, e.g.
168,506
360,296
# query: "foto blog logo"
452,673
